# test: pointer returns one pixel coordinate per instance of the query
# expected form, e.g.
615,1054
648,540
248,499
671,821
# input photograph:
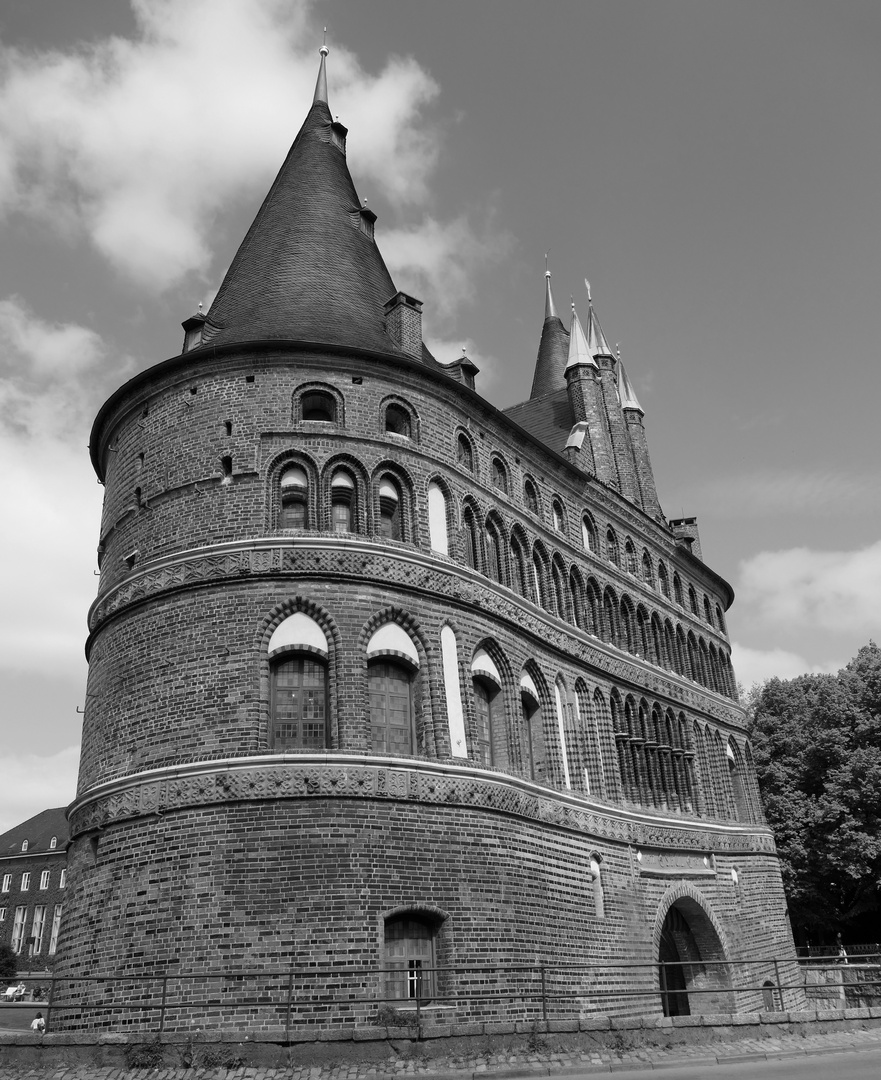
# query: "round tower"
384,690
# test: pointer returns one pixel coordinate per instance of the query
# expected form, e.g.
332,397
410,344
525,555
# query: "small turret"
633,414
622,452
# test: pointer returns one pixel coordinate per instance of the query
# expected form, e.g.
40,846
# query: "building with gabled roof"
392,692
33,872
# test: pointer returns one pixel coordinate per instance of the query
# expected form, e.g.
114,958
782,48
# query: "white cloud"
32,783
446,350
137,144
52,378
438,261
753,666
838,591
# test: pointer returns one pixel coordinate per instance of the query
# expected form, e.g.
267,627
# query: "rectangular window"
2,914
18,928
7,883
56,924
25,882
44,879
37,928
63,880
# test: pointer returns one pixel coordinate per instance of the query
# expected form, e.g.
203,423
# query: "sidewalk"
535,1061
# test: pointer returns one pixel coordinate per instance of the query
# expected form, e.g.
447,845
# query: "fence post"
287,1022
662,982
49,1002
544,995
162,1007
779,985
418,1017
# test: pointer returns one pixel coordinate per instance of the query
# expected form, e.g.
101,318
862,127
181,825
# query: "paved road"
850,1065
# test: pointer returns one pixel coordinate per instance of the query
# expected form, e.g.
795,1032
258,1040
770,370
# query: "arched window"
612,552
538,578
610,617
343,509
493,553
487,704
557,580
294,485
628,630
390,512
738,789
518,567
24,845
53,843
470,539
692,600
559,516
630,555
299,702
464,453
389,689
588,533
596,885
318,405
397,421
720,619
708,611
410,960
663,580
677,589
530,497
647,574
438,531
533,742
499,475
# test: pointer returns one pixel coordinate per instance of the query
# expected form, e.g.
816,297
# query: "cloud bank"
32,783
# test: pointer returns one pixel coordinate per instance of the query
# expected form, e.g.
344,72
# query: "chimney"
403,315
686,535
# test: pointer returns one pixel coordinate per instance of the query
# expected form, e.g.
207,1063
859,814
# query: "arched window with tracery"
298,706
530,497
612,552
391,524
464,453
499,475
294,498
343,502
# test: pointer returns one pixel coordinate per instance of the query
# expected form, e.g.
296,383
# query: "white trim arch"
298,631
391,640
484,665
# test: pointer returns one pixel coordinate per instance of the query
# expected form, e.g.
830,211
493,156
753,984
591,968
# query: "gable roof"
38,831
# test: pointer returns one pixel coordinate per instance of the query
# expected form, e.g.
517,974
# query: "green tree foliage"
8,965
817,747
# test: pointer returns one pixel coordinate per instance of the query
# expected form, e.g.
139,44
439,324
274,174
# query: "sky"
711,167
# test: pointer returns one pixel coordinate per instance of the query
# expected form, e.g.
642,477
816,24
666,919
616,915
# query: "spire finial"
589,297
321,84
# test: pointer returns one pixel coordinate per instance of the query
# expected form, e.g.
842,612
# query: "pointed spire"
579,352
550,309
549,377
596,339
308,269
626,393
321,82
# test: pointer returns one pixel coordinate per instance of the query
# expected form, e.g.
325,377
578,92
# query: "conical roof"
579,353
626,393
552,350
596,339
308,268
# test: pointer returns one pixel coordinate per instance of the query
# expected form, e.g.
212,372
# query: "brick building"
33,872
390,682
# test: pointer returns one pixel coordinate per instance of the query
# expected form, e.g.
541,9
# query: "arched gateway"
693,976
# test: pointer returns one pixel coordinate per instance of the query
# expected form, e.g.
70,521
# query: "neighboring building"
384,680
33,871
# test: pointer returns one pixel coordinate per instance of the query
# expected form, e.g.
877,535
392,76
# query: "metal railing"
280,1000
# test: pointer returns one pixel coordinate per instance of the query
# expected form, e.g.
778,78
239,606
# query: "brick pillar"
622,451
644,475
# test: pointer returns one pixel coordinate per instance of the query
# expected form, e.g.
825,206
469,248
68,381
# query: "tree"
817,748
8,964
